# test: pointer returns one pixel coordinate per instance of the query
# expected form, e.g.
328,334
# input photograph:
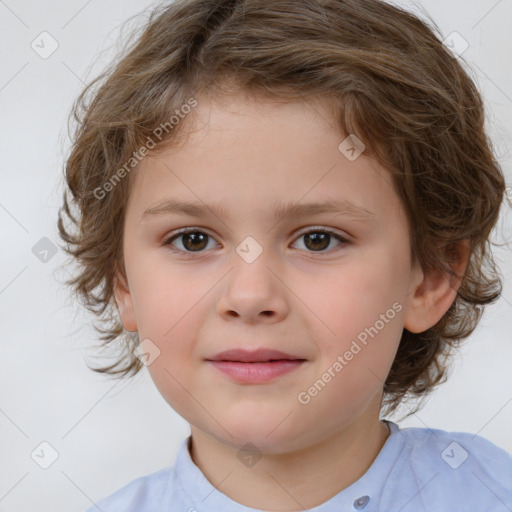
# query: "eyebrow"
200,210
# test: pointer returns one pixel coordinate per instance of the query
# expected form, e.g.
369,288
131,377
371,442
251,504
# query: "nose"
253,293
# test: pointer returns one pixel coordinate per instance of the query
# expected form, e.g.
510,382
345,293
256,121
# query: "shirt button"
361,502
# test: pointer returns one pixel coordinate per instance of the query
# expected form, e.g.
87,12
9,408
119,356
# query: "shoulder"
456,449
459,469
140,494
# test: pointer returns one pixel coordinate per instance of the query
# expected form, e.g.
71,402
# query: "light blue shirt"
417,470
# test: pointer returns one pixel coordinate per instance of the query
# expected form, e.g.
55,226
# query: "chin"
265,434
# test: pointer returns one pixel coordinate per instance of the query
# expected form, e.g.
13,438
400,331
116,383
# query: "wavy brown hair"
389,80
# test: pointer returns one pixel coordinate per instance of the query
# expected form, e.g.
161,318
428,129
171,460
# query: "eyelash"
175,235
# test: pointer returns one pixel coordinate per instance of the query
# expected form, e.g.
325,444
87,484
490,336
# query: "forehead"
245,154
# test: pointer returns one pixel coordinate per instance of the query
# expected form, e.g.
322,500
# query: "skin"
249,155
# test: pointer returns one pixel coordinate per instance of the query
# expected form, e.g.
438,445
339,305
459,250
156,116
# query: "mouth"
255,367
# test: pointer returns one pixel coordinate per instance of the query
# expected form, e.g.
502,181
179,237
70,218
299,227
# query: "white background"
109,432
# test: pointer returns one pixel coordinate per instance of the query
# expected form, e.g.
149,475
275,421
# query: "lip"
257,366
257,373
253,356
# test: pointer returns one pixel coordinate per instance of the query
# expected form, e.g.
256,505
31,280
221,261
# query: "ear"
434,293
124,301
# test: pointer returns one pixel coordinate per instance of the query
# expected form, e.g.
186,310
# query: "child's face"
303,295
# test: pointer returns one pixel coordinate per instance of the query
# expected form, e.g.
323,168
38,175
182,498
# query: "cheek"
361,318
170,318
351,298
168,306
164,294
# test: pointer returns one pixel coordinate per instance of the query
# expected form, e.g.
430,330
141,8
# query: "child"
283,210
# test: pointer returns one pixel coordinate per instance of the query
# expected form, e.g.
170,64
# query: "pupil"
196,238
319,240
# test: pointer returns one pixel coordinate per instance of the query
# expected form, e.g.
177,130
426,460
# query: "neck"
297,480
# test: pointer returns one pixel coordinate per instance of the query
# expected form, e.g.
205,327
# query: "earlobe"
124,302
434,295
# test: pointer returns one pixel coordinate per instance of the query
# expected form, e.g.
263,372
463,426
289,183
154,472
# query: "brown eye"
192,241
319,240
